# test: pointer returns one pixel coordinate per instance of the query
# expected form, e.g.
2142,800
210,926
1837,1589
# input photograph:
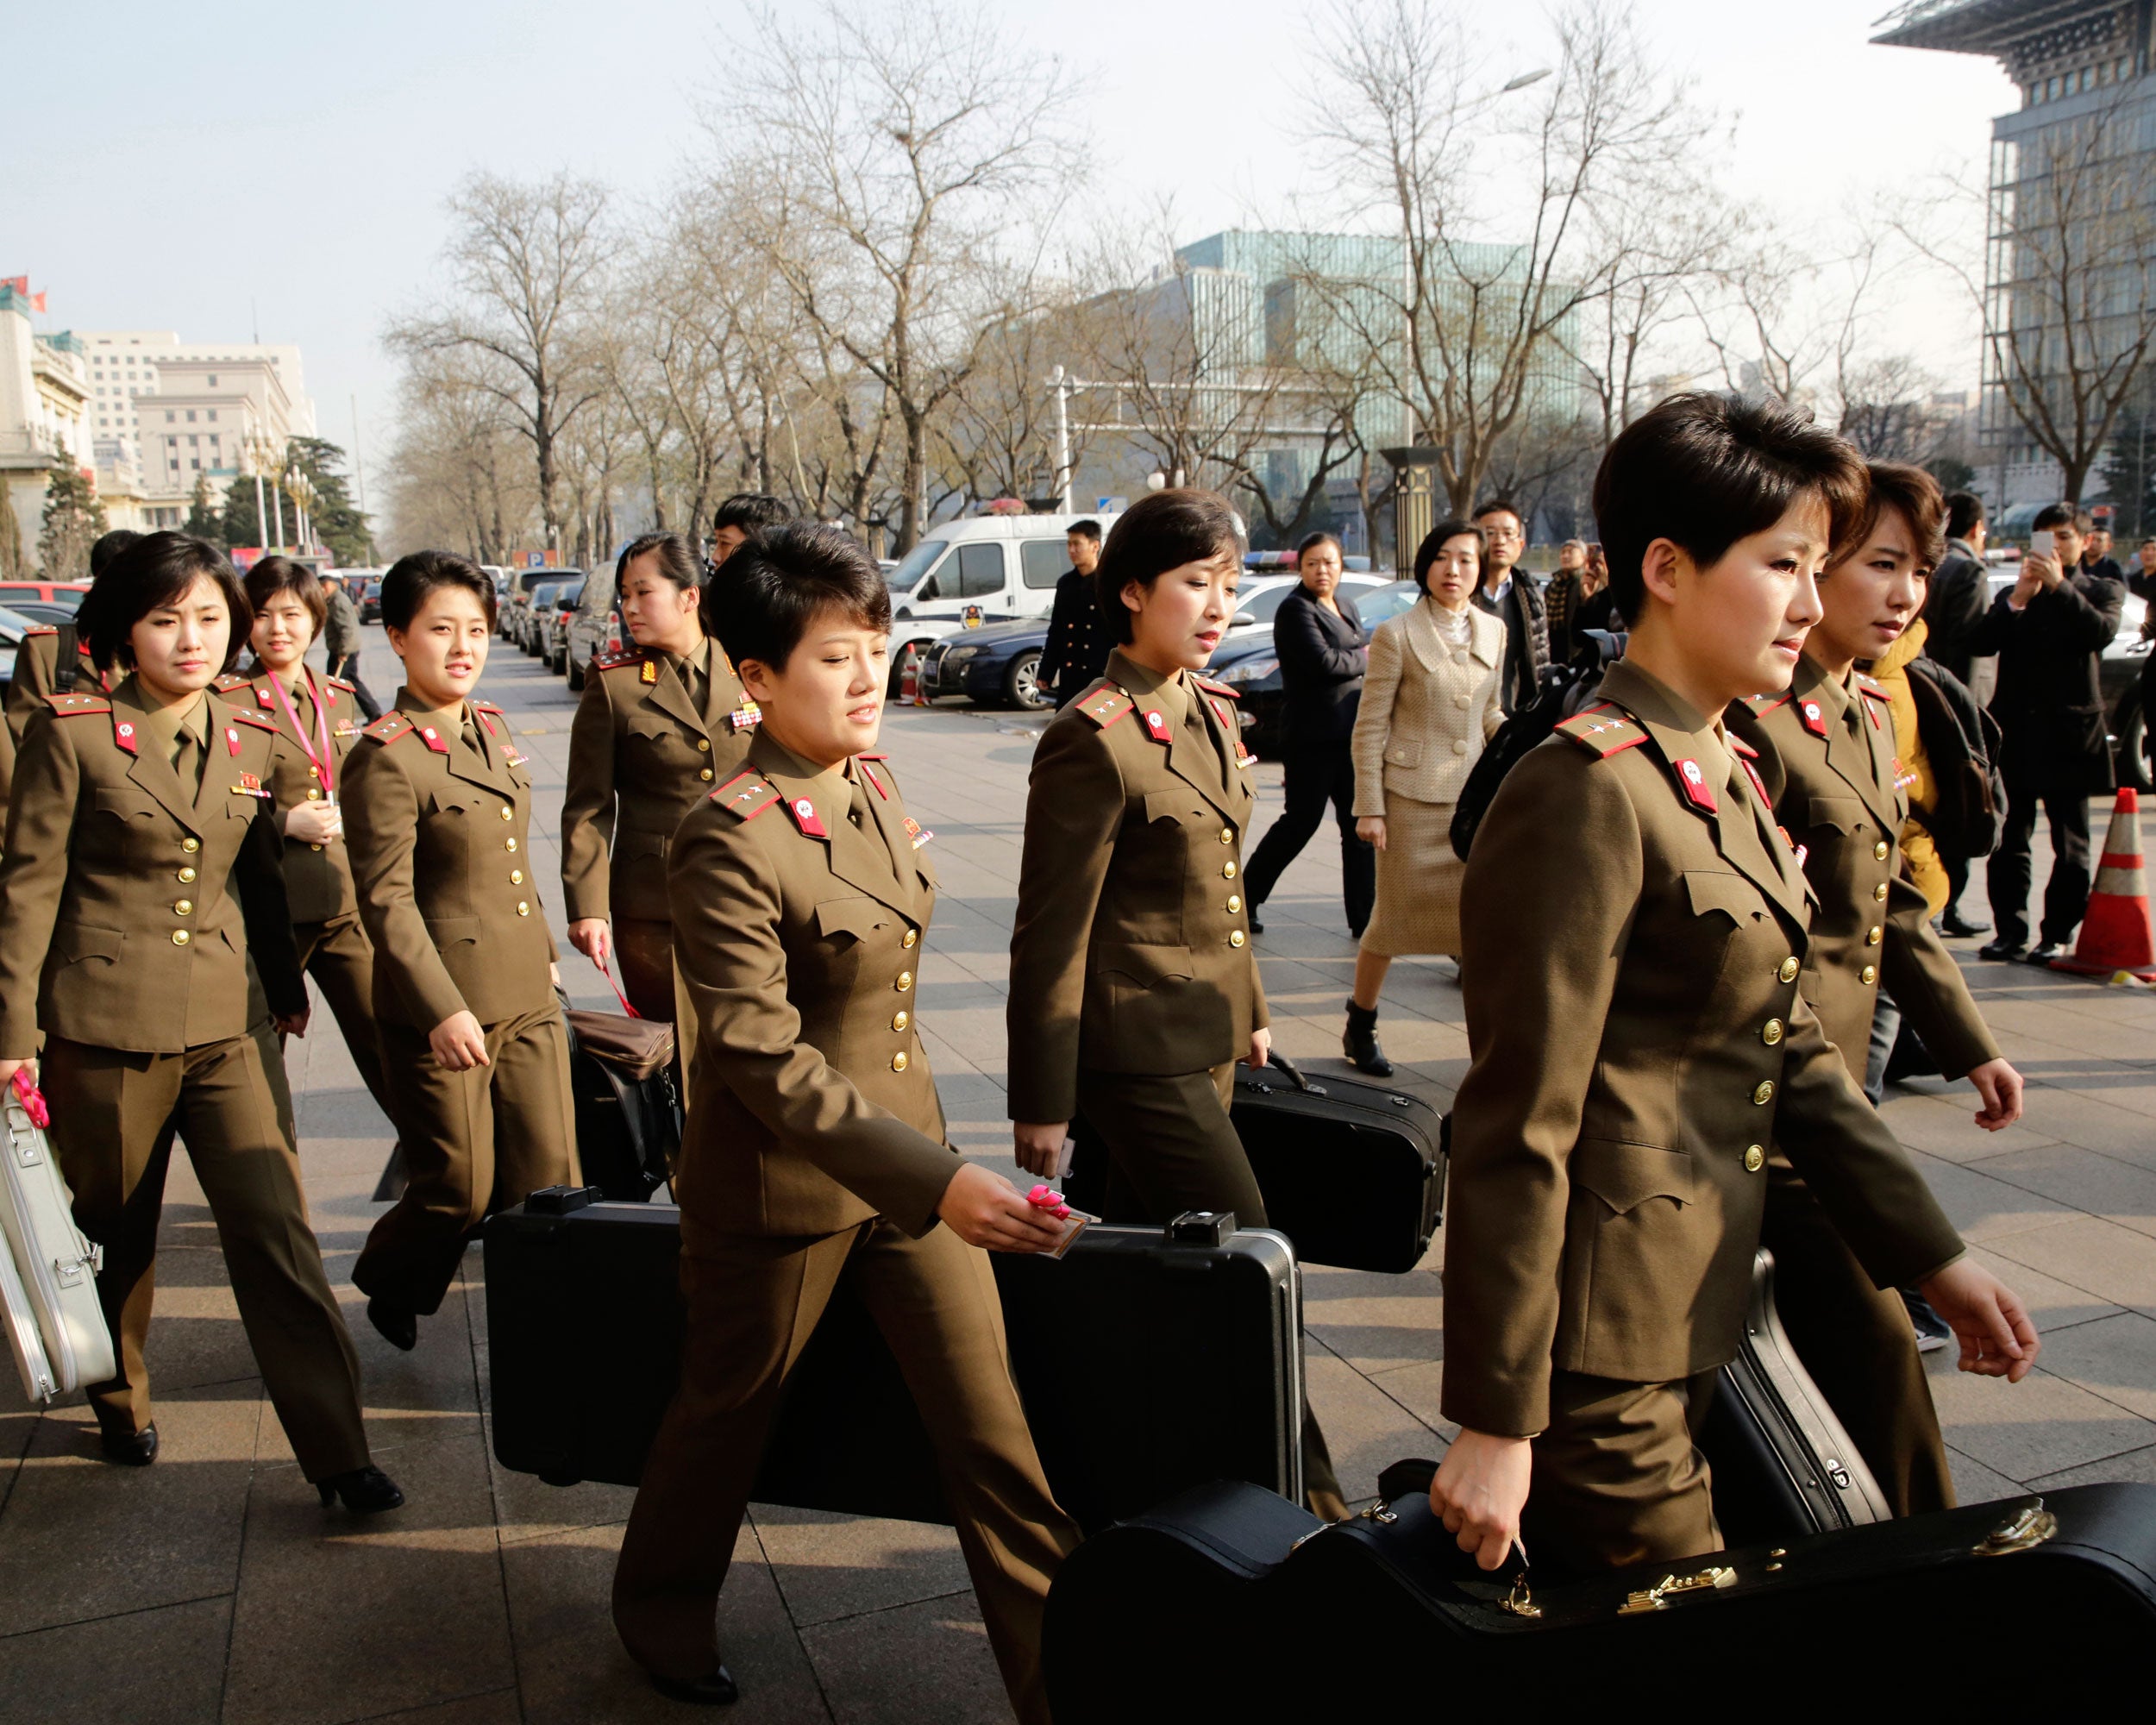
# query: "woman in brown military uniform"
1632,1057
1133,987
1827,759
658,727
141,868
816,1147
317,721
437,806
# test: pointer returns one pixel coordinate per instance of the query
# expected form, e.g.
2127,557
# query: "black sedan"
997,665
1251,665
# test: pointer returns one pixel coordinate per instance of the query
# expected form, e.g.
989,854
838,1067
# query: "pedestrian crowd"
1687,929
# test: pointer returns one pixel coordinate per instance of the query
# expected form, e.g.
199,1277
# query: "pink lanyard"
325,764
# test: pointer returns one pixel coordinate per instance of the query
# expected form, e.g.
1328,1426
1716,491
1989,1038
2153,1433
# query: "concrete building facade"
45,397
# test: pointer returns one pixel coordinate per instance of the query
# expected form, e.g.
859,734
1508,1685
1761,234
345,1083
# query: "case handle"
1275,1057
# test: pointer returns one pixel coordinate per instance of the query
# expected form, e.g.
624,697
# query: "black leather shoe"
717,1690
1257,927
1359,1042
1959,926
2045,953
398,1327
365,1491
129,1449
2002,951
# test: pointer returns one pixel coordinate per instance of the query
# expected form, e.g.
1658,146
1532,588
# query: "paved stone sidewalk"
212,1587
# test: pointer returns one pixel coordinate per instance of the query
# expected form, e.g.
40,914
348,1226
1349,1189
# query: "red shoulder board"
232,680
874,777
1762,705
1603,732
388,728
1104,704
340,683
66,706
1741,748
1873,687
248,716
42,628
1874,693
1758,784
1213,688
747,794
485,706
616,662
873,755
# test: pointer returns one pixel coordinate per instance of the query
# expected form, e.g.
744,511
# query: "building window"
213,379
169,416
190,416
195,462
193,442
213,415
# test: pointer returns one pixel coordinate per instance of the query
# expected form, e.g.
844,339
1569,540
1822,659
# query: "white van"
983,569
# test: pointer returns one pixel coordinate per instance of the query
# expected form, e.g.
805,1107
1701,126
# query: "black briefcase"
622,1079
2064,1587
1149,1359
1783,1464
1353,1173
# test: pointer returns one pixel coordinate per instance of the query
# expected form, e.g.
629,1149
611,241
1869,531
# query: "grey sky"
188,160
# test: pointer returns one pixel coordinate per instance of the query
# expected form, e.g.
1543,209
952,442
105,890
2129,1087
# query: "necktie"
187,761
857,811
471,734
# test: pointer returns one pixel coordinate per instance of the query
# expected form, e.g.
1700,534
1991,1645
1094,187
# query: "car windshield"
1375,604
13,627
1262,606
917,564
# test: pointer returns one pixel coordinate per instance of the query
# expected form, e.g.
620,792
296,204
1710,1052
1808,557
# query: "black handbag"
624,1082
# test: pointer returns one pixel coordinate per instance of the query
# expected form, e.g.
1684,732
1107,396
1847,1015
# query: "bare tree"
1472,336
526,263
906,147
456,474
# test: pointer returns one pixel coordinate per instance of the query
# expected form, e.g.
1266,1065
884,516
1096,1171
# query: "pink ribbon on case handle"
33,1099
607,971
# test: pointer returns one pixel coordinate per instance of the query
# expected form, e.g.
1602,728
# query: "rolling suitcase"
1783,1464
48,1271
1353,1173
1148,1360
2069,1579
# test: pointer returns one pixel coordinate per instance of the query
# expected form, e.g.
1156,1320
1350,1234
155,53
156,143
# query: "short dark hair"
1084,530
109,546
753,511
1704,470
761,600
1433,541
1162,530
409,580
1491,506
2065,515
1964,513
1312,540
676,561
154,572
1915,494
275,576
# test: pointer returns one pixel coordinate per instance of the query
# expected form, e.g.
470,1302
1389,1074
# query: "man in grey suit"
341,641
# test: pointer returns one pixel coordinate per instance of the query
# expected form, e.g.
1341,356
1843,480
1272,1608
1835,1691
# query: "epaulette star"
1104,704
1603,732
388,728
247,716
233,680
746,794
66,706
1212,687
1762,705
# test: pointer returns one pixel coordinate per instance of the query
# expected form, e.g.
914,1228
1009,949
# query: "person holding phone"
2049,631
816,1149
1633,1059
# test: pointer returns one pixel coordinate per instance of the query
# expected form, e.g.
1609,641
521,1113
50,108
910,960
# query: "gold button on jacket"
89,948
641,756
804,1118
1123,956
1836,794
317,877
425,831
1601,1218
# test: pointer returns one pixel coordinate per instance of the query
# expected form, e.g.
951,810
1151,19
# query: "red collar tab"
1156,725
1697,791
1872,712
1813,716
123,734
869,774
263,697
433,738
232,738
806,818
1758,784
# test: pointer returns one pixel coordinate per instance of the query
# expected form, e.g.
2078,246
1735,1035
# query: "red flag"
37,302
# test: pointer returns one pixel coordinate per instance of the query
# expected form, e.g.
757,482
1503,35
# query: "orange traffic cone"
2115,935
909,679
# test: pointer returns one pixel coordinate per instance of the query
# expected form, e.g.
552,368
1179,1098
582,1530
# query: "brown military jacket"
128,904
317,877
641,756
1131,949
35,677
1827,756
438,833
1634,928
797,937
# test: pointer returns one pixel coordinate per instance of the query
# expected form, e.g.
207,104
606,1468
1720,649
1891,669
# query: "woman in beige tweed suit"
1430,703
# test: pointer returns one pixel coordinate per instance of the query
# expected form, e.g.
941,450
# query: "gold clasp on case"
1519,1601
1657,1598
2030,1525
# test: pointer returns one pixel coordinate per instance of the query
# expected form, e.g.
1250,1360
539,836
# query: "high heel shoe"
1359,1043
364,1490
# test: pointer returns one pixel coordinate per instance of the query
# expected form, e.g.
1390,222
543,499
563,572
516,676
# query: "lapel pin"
1697,791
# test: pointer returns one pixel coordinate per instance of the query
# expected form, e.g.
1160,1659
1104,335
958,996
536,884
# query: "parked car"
13,627
1247,662
984,569
531,617
595,629
67,594
370,599
554,625
508,616
41,615
357,581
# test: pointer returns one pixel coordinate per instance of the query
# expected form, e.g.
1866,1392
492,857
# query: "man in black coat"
1078,643
1514,600
2049,631
1322,659
2096,559
1954,610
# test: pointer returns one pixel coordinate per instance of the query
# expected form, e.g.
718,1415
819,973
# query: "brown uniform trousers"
1633,1059
1827,759
119,937
436,810
643,752
815,1148
1133,986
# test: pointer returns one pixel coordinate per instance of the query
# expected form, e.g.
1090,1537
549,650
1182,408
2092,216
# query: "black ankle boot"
364,1491
1360,1042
